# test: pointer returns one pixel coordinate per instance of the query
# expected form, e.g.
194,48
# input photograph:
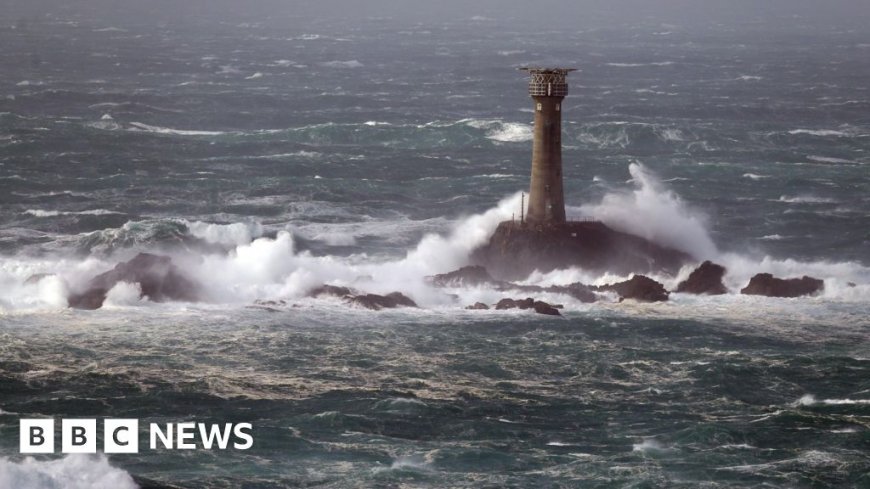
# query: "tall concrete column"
548,87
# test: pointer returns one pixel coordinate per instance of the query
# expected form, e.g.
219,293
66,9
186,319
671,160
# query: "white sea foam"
414,462
828,159
70,472
502,131
254,76
805,199
234,234
755,176
648,445
810,400
89,212
342,64
124,294
636,65
606,138
819,132
671,134
138,126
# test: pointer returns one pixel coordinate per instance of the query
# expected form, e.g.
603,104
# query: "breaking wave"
238,263
70,472
138,126
656,213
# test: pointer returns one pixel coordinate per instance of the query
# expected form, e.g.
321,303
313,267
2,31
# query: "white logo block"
78,436
121,436
36,436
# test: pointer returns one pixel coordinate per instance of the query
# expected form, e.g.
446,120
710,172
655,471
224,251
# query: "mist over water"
271,150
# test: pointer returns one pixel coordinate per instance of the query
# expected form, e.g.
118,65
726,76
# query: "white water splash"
70,472
656,213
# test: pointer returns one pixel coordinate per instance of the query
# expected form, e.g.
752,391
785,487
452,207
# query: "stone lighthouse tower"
547,86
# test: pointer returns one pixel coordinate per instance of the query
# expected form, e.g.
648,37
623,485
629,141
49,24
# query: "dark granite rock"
544,308
706,279
464,277
515,250
478,306
540,307
333,290
639,288
374,302
478,275
506,304
159,279
576,290
377,302
770,286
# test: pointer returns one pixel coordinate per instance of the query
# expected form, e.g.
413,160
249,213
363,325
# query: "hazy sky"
557,13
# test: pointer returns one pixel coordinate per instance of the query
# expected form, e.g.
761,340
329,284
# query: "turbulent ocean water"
270,152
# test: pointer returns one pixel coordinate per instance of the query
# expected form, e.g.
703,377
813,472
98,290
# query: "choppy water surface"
272,154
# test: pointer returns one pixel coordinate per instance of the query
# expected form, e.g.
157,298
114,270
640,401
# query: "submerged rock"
478,306
158,278
706,279
476,275
770,286
639,288
515,250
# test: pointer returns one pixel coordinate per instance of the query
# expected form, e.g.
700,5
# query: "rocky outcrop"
469,276
576,290
515,250
472,276
478,306
770,286
332,290
377,302
159,279
639,288
374,302
706,279
539,307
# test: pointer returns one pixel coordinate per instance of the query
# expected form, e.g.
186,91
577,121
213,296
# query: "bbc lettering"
122,436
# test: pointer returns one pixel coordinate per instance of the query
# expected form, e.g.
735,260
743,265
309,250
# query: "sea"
273,147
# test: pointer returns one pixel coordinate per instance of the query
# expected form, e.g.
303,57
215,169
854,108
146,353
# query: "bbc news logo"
122,436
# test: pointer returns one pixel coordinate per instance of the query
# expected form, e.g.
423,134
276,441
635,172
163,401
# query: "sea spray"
272,267
70,472
656,213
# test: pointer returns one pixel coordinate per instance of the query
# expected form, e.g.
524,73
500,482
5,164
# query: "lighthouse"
547,87
544,240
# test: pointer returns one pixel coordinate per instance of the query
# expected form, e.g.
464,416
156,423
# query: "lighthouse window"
539,106
558,107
